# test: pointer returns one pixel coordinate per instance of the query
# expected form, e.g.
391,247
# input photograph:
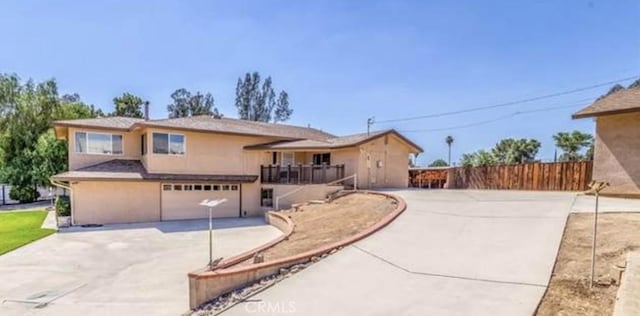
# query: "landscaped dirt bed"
317,225
569,292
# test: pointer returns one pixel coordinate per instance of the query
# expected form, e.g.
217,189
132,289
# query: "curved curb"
286,232
206,285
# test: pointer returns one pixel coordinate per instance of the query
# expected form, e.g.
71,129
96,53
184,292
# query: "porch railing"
301,174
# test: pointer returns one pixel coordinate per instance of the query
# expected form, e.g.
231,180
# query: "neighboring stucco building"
124,170
617,146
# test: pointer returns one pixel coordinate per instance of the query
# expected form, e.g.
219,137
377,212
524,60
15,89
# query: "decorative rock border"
205,285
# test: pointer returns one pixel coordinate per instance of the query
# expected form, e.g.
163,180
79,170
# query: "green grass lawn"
20,228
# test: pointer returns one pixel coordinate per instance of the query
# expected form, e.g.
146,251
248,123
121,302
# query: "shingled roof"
207,123
203,123
112,122
128,169
333,143
623,101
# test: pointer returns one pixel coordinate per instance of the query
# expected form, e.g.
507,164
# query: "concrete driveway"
450,253
136,269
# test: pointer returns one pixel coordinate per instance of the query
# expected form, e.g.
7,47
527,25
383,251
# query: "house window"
288,159
216,187
266,197
197,187
207,187
188,187
98,143
166,187
168,144
234,188
320,159
143,144
274,158
225,187
177,187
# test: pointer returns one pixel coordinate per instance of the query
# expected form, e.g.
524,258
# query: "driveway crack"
445,275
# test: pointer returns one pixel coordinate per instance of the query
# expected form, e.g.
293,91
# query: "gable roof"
111,122
129,169
202,123
335,142
623,101
207,123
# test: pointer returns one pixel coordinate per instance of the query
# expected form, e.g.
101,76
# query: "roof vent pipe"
146,110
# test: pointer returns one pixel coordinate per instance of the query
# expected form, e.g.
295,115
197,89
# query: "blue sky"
340,61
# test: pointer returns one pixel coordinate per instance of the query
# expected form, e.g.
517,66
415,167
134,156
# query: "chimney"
146,110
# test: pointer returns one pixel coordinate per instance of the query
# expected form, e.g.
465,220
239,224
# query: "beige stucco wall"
393,170
130,147
105,202
208,153
617,152
307,193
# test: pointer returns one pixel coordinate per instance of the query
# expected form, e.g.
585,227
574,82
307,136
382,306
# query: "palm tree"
449,141
571,144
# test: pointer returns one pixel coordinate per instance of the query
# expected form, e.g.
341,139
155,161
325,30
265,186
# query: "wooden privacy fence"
554,176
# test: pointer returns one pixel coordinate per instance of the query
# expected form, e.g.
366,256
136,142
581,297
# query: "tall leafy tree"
27,111
256,102
283,111
186,104
479,158
30,152
513,151
128,105
572,144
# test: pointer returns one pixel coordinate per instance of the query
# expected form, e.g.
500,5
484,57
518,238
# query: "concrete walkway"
450,253
136,269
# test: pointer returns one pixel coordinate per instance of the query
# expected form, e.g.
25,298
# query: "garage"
111,202
181,200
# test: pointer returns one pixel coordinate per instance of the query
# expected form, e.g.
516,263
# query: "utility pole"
370,122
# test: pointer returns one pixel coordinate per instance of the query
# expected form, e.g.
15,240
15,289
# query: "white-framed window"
287,159
168,144
99,143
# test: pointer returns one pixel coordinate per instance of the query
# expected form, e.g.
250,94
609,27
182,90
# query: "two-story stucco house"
124,170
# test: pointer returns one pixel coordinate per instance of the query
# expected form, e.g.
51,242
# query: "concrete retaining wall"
206,285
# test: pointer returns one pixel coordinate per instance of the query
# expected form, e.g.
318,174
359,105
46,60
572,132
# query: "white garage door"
180,200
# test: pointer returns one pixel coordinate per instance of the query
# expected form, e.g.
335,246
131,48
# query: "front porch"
301,173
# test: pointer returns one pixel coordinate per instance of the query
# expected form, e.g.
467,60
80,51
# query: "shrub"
23,194
63,206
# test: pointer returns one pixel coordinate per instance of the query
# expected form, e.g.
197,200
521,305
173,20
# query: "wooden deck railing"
301,174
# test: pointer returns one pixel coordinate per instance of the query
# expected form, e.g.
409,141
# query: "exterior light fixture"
211,204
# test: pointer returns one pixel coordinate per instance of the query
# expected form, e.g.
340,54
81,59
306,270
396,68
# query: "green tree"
449,141
514,151
634,85
572,144
50,157
128,105
27,111
282,111
71,108
186,104
617,87
480,158
257,102
438,163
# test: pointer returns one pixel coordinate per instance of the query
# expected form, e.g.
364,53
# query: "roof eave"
603,113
